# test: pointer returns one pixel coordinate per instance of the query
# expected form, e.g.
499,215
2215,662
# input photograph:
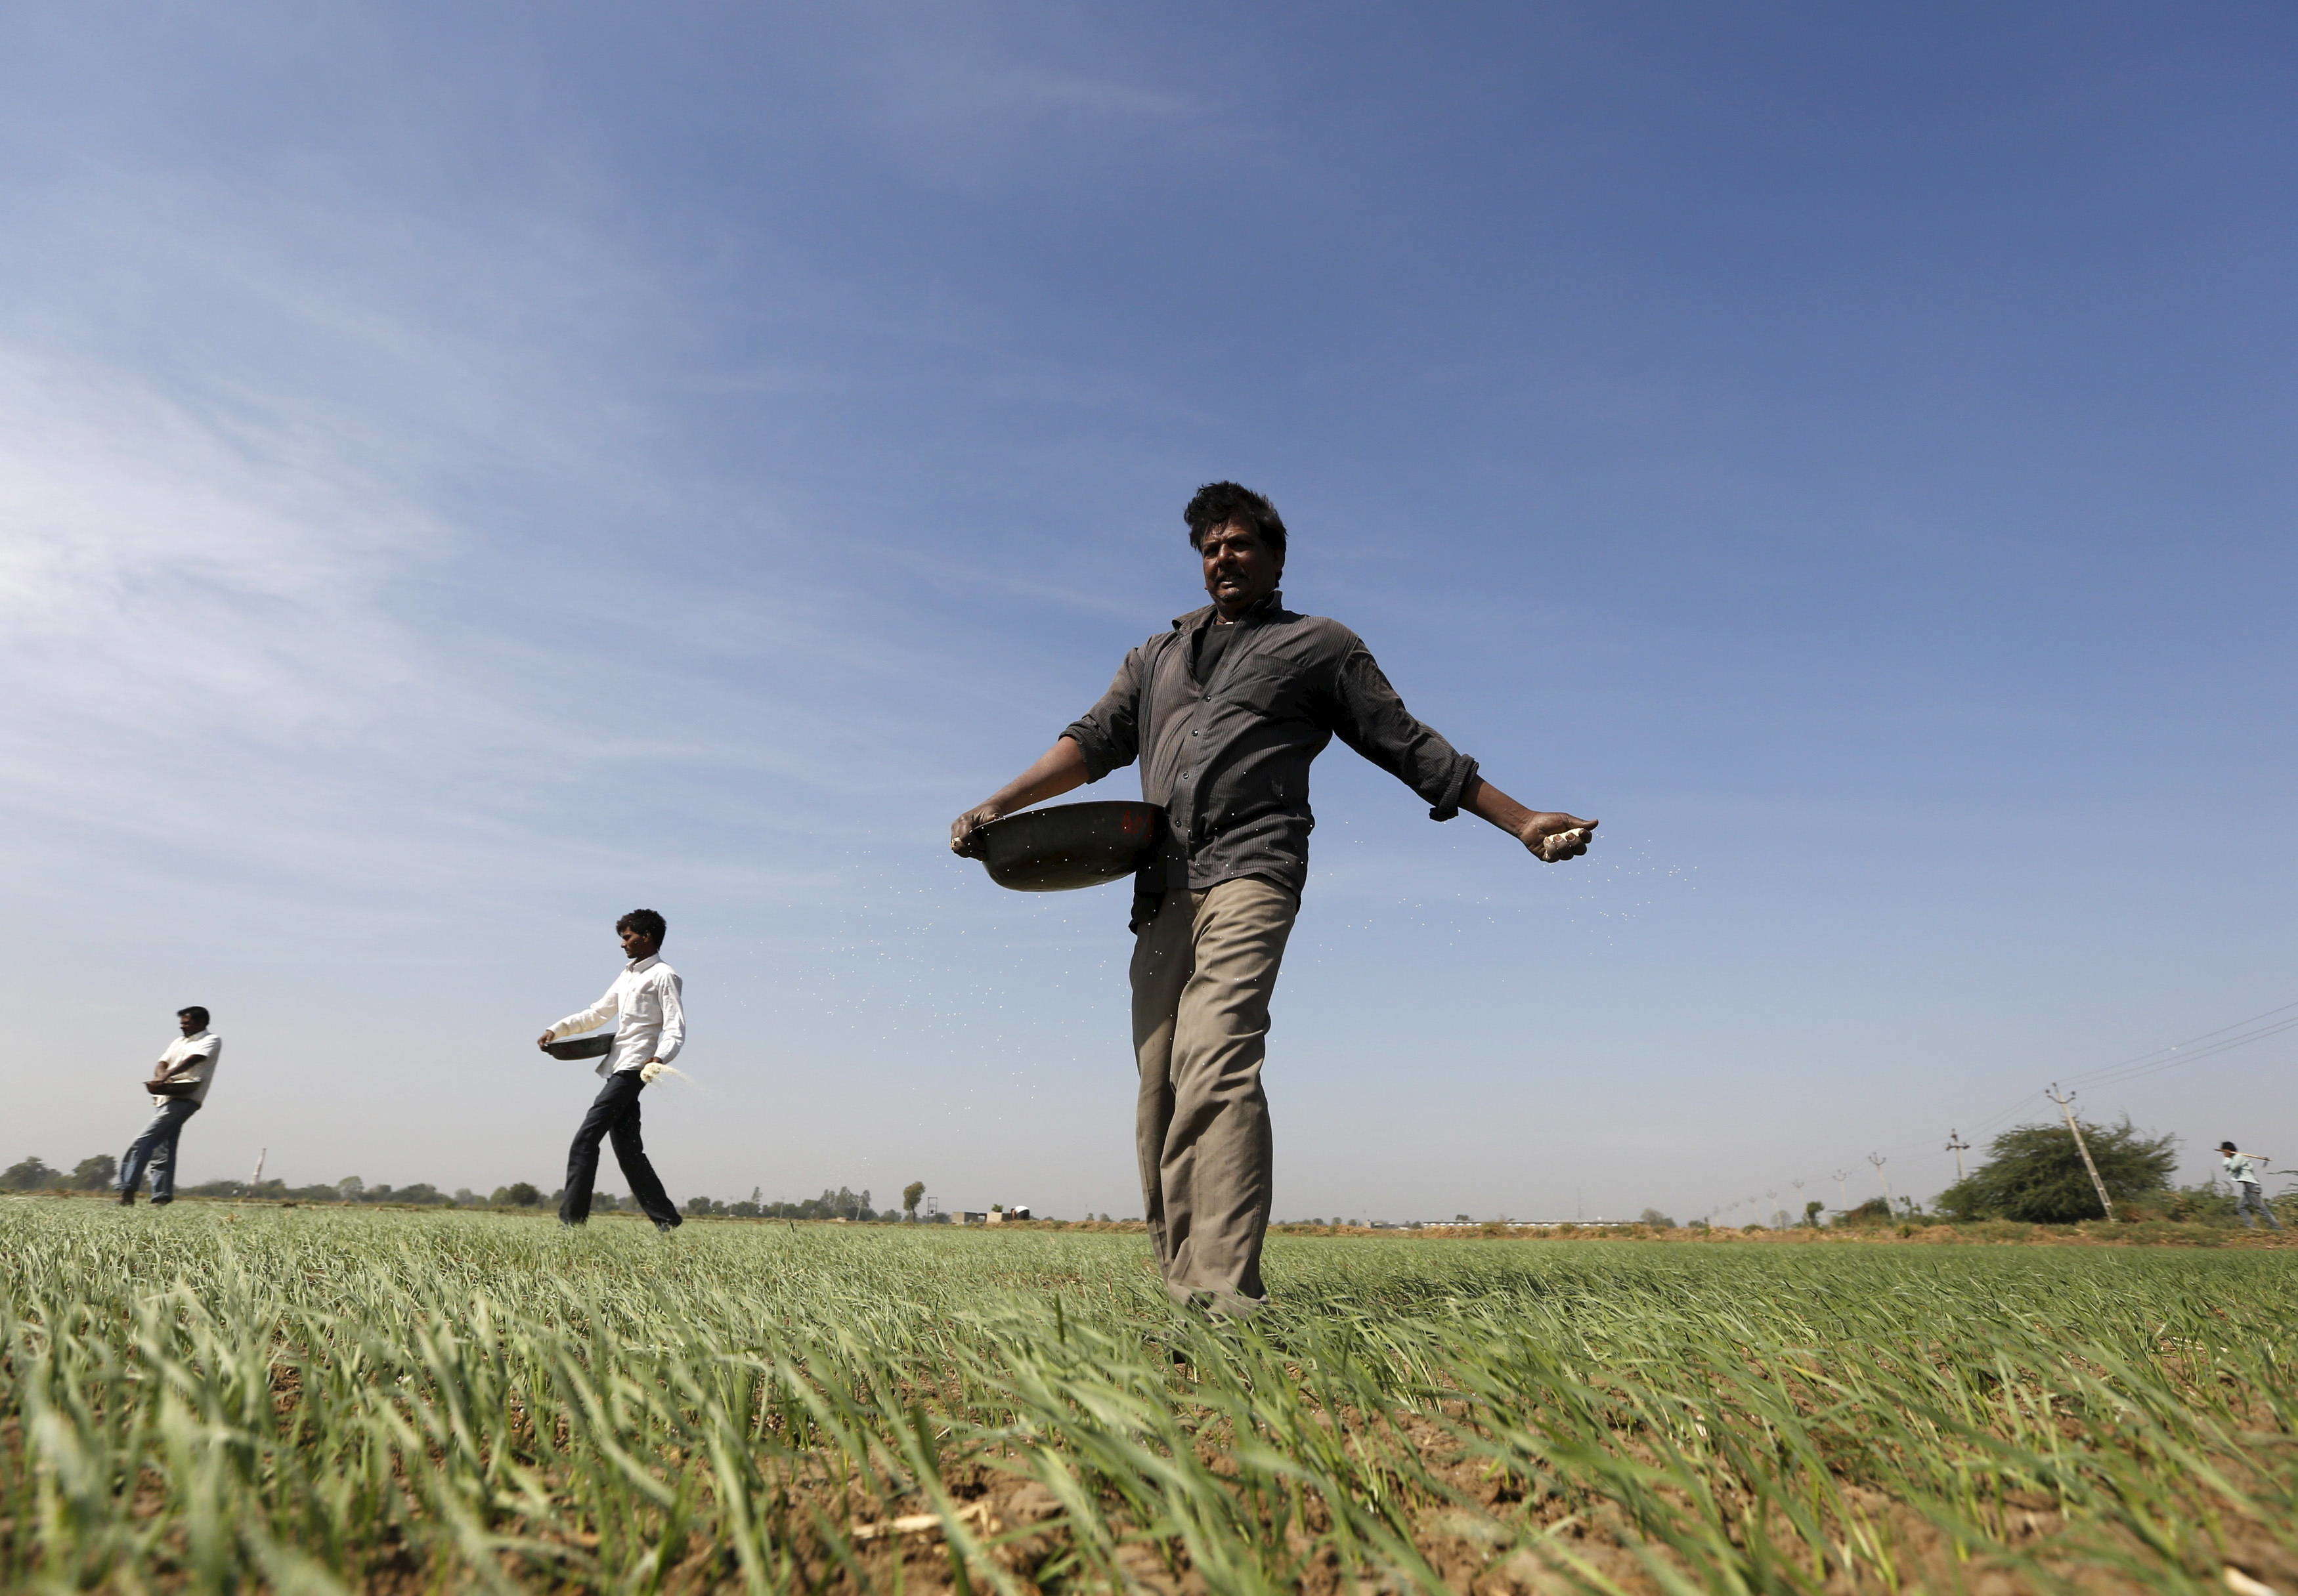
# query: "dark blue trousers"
156,1149
613,1113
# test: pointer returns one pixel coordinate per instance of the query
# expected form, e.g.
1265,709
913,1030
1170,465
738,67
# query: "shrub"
2035,1173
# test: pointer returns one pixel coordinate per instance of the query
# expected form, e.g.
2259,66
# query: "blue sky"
467,471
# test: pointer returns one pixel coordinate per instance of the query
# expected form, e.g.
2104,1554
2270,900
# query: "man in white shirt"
2249,1191
178,1086
648,998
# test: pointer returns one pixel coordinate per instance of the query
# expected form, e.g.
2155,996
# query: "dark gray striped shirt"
1228,758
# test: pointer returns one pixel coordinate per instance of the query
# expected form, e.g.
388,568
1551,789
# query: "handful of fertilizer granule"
1558,846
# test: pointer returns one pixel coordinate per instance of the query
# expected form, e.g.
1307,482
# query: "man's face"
1241,569
188,1023
636,944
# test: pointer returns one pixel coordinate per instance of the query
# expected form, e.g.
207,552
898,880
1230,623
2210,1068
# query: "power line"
2156,1058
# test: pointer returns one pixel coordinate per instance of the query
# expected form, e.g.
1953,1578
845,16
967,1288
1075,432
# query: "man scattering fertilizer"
178,1086
1225,712
648,997
2249,1191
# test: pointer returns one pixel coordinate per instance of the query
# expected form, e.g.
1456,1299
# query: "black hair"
1226,503
195,1009
646,922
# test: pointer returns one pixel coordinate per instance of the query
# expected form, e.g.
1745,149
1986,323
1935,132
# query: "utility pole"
256,1179
1842,1190
1878,1160
1958,1147
2066,1107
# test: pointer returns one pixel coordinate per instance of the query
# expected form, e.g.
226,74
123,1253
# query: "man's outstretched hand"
1551,835
1060,769
1554,837
965,831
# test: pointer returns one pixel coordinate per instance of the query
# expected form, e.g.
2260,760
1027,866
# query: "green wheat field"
221,1398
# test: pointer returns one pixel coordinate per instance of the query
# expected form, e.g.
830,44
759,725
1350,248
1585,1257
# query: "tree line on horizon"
101,1173
2033,1174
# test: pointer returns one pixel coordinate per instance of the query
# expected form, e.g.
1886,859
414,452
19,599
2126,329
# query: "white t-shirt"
204,1046
650,1002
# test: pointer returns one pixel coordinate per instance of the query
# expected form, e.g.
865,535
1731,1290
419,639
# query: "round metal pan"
1070,844
581,1047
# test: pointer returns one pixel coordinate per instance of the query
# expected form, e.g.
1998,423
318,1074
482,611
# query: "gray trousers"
1203,971
2250,1198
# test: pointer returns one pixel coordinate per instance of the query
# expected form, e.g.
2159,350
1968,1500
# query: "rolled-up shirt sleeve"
589,1019
1109,732
672,996
1370,716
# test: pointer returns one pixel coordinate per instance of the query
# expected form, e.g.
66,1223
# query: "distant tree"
2034,1173
913,1194
699,1207
465,1197
745,1211
1811,1213
1655,1220
96,1174
30,1175
518,1194
1874,1211
351,1187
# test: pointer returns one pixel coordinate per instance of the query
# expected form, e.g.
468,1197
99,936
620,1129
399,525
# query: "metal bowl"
1070,844
581,1047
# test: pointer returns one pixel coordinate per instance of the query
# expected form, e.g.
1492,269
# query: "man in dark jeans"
178,1086
1225,712
648,999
